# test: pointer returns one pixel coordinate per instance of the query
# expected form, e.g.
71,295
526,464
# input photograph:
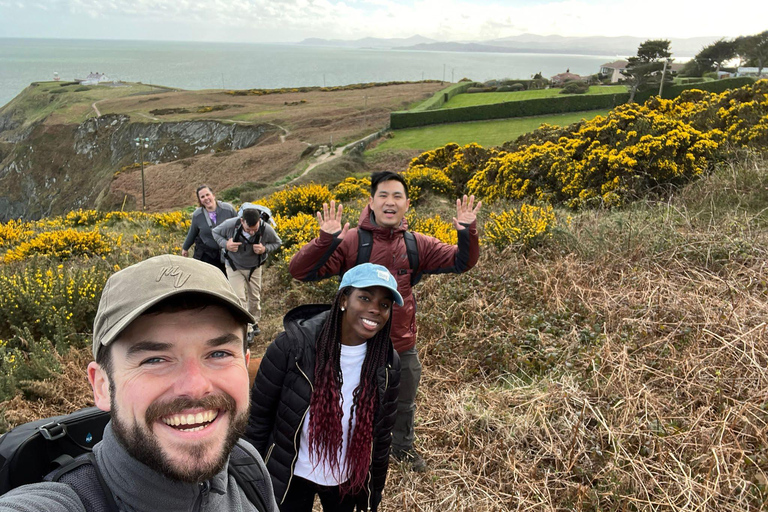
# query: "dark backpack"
365,245
60,449
246,245
32,450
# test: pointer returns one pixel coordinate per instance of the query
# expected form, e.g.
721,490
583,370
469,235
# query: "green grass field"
71,101
487,98
485,133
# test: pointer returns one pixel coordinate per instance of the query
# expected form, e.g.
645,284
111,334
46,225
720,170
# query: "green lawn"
485,133
486,98
70,101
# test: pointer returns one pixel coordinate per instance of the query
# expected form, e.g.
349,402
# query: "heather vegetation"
607,353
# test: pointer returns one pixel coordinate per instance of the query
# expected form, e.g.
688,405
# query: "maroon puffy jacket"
327,256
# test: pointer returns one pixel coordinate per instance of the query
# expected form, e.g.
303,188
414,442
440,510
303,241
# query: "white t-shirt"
351,362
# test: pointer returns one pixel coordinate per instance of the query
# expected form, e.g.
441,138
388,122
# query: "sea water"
195,65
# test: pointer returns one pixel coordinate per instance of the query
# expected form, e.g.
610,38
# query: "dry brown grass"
664,408
67,393
622,367
339,117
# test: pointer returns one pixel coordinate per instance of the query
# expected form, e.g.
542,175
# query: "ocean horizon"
203,65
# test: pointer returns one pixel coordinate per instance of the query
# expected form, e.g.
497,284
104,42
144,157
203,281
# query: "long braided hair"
325,431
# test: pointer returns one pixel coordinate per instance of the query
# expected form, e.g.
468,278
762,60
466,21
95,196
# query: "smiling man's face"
389,203
178,390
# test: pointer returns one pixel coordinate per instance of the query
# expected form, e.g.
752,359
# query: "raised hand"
330,220
465,213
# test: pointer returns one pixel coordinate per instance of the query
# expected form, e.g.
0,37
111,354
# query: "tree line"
648,69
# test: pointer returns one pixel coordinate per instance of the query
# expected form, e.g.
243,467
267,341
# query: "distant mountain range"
370,42
620,47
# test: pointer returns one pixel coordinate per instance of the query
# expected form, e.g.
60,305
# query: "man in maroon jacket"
335,251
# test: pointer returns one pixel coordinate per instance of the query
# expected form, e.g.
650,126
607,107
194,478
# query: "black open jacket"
280,400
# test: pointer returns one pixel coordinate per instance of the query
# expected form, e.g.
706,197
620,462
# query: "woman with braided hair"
324,401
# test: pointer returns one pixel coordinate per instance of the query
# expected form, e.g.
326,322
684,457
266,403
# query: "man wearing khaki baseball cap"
171,368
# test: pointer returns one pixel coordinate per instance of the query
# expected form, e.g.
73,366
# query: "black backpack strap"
238,234
257,240
83,476
413,256
250,477
364,245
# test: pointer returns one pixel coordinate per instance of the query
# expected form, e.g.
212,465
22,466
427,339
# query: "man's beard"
141,444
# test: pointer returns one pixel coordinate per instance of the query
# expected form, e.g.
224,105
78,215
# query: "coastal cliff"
48,169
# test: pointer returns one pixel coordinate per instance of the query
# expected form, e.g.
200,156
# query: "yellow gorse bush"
611,159
295,232
420,178
83,217
49,299
526,227
304,199
432,226
14,231
602,161
176,221
64,244
352,189
458,163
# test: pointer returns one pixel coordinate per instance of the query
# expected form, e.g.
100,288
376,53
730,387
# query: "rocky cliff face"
50,169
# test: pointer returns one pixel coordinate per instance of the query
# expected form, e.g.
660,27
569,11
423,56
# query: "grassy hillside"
488,98
485,133
49,135
69,102
597,358
620,365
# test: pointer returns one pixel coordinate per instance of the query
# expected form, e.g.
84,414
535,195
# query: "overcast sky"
445,20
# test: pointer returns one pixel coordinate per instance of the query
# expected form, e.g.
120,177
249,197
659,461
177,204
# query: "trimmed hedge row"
524,108
715,86
441,97
540,106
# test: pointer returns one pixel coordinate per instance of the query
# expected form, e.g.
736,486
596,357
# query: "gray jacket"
245,258
137,488
200,231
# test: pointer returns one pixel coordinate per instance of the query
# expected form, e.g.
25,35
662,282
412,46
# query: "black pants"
213,259
301,497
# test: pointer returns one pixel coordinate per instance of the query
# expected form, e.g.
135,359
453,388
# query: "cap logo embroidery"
181,277
383,275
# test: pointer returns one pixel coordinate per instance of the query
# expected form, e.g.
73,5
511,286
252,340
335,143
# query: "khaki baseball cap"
133,290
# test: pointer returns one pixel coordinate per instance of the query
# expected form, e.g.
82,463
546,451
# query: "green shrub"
37,360
716,86
524,108
50,300
441,97
575,87
543,106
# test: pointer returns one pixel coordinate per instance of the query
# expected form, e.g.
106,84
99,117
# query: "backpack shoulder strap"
412,249
250,477
364,245
82,474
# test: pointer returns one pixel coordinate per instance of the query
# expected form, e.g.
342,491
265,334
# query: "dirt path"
142,114
95,108
331,155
